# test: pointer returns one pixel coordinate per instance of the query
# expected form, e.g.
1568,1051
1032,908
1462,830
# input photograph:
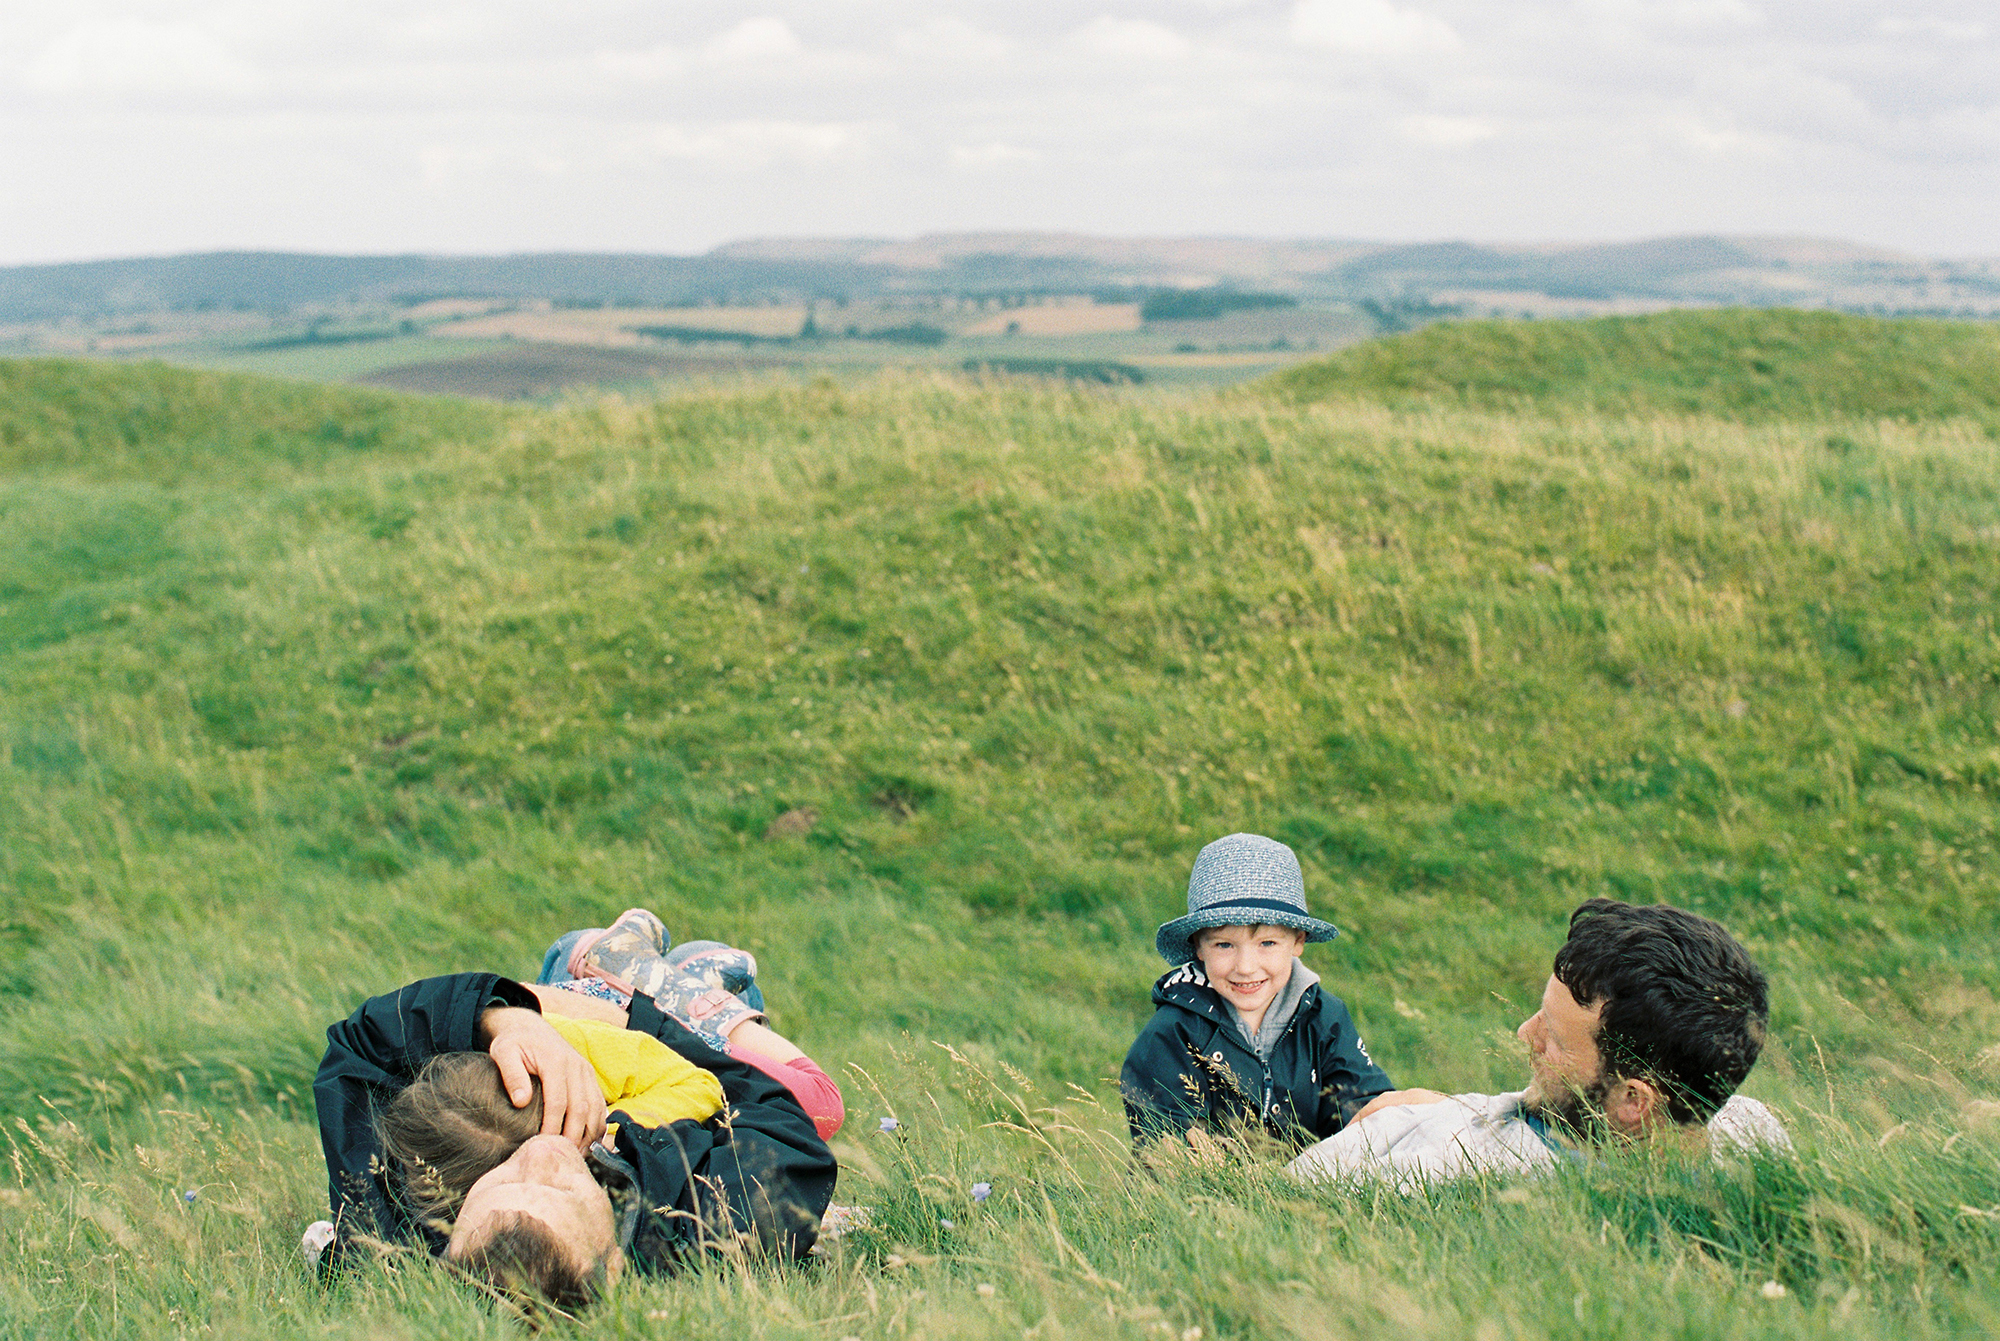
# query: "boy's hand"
524,1045
1396,1099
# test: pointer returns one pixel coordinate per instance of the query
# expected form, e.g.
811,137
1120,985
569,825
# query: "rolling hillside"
928,690
1757,363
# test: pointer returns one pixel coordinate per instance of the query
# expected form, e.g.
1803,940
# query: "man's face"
1249,966
547,1180
1567,1072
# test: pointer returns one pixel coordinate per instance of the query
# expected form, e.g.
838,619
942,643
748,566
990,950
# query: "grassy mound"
928,691
156,422
1755,363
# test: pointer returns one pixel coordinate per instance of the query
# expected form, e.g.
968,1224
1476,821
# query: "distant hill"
1753,363
283,281
1466,276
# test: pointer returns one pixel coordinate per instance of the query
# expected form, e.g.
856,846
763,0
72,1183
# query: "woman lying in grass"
494,1159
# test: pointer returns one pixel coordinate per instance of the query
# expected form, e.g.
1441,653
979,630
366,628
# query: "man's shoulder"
1744,1125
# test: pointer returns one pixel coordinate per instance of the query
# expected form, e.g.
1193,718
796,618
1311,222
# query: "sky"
148,127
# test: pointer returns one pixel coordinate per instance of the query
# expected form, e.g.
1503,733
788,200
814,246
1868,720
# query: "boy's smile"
1249,966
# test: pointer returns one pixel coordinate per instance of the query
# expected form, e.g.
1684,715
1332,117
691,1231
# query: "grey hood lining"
1278,1015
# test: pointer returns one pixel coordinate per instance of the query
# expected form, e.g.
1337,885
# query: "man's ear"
1634,1107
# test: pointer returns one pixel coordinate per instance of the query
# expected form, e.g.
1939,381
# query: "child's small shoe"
636,936
727,967
703,1008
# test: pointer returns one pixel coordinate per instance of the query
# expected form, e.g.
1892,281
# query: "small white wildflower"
1770,1289
316,1239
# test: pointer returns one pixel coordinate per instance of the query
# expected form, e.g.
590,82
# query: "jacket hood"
1188,988
620,1182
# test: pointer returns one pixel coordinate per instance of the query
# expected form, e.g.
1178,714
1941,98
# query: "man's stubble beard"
1579,1112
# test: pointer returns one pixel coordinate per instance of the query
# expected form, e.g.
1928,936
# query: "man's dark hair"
522,1255
1685,1007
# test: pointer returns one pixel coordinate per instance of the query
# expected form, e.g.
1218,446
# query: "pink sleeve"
812,1087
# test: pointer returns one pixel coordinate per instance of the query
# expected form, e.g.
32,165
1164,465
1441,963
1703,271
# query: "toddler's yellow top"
641,1076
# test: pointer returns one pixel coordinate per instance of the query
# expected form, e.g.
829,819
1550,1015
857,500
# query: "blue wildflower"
890,1124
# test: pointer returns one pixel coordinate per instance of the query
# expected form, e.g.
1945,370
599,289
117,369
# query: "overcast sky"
156,126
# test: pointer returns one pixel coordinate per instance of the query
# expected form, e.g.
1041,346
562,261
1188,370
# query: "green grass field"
307,691
1741,363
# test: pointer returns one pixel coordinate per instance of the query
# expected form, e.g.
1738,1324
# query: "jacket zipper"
1291,1024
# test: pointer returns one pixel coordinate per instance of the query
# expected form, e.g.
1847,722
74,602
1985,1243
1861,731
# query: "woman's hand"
524,1045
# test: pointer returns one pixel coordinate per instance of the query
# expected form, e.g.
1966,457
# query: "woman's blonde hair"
451,1126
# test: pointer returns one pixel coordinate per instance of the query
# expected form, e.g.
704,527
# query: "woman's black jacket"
756,1174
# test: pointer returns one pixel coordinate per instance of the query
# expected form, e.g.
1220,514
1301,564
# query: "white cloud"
1687,18
748,145
1699,14
1132,39
995,155
1369,28
1713,137
1941,30
1451,132
756,41
146,125
949,39
1969,134
653,63
138,56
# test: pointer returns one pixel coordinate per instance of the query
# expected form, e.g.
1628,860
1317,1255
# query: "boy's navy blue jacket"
1192,1066
758,1168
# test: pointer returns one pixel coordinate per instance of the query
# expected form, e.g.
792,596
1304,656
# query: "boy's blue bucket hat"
1245,879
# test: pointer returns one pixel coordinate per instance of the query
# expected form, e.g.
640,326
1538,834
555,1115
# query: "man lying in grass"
703,1150
1243,1034
1651,1020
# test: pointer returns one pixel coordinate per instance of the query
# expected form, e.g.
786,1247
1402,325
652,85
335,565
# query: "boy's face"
1249,966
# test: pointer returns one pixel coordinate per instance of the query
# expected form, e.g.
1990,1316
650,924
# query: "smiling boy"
1242,1033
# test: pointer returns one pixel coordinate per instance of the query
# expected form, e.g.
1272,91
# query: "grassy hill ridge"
1759,363
363,706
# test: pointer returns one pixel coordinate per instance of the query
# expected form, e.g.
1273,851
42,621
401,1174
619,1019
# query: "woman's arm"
577,1006
748,1034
